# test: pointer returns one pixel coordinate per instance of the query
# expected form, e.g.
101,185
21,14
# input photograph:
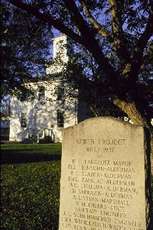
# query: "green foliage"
30,194
24,46
114,55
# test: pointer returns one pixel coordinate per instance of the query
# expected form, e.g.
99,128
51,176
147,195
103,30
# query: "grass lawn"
30,190
20,153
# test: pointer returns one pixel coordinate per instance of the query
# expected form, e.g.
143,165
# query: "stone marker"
102,177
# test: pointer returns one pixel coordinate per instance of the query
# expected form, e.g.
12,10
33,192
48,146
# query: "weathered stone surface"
102,177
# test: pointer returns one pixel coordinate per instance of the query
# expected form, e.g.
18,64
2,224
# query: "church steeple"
60,55
60,48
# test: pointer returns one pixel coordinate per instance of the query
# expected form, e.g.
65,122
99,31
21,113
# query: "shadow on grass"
18,157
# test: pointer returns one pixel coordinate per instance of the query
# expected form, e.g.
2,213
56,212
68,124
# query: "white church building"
43,117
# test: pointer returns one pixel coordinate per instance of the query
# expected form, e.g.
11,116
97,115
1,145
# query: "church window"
41,93
25,95
60,93
60,118
23,120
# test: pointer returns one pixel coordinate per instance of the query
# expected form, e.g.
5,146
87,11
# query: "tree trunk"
149,201
136,118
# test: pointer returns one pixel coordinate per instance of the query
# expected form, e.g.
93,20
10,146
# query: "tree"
24,45
118,35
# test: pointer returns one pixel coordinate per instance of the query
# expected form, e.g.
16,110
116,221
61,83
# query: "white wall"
41,114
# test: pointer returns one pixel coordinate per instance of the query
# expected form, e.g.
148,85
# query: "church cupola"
60,48
60,55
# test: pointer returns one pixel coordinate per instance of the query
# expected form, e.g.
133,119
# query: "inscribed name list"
102,177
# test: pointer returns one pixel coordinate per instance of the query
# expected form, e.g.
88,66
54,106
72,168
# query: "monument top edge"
105,118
